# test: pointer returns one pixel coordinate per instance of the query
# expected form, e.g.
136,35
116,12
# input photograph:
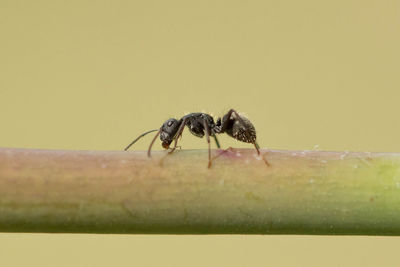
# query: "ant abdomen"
243,130
237,127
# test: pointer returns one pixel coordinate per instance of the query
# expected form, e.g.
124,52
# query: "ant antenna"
140,136
152,142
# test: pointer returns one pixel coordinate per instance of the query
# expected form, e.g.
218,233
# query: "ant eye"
170,123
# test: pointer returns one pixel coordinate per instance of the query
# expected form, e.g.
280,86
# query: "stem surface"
301,192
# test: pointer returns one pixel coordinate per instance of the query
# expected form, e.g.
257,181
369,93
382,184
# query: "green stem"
301,192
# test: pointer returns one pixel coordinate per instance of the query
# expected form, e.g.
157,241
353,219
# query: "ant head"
168,132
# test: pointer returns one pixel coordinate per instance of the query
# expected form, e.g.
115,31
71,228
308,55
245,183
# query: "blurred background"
92,75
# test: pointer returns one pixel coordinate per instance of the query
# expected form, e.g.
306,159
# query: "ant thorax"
195,123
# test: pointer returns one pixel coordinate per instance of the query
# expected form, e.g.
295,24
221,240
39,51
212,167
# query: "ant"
200,124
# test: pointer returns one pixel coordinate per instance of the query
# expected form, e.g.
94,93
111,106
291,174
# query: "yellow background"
92,75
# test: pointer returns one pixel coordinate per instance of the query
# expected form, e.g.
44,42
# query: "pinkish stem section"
299,192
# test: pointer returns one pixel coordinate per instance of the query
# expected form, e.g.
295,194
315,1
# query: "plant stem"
301,192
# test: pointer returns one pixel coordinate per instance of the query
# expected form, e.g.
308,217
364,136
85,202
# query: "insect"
202,124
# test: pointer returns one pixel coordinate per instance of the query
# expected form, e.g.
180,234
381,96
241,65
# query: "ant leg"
180,147
178,134
237,115
216,140
259,154
223,152
207,129
257,148
233,150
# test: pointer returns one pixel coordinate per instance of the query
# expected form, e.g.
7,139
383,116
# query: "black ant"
200,124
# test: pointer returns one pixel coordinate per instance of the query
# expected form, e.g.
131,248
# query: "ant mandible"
200,124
